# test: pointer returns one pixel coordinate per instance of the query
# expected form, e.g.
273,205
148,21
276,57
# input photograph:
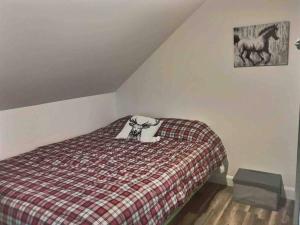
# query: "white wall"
24,129
53,50
254,110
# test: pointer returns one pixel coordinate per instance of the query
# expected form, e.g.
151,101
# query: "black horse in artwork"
258,45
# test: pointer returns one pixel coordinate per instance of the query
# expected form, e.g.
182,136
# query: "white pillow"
140,128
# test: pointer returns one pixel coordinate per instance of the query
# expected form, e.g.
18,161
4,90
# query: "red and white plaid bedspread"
96,179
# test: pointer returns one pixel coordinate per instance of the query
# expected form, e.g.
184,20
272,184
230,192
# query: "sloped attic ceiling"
53,50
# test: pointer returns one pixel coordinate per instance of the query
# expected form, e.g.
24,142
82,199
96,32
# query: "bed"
97,179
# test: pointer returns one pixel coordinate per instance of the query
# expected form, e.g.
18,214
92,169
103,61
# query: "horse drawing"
258,45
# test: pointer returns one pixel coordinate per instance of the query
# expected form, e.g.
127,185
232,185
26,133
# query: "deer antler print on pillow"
140,128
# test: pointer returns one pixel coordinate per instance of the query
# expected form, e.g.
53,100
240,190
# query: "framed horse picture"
261,45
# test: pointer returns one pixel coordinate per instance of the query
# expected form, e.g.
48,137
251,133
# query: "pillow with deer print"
140,128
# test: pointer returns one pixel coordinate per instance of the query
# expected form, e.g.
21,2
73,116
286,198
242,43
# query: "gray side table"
257,188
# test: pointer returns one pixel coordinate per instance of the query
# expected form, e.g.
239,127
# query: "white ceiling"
59,49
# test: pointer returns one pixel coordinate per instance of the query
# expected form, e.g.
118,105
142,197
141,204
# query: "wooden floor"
213,205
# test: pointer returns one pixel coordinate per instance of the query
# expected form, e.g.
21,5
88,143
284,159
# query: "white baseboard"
289,192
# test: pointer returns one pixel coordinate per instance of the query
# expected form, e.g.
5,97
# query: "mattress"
97,179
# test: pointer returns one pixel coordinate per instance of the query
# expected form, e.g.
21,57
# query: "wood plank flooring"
213,205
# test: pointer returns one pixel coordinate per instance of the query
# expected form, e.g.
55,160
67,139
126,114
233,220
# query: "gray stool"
257,188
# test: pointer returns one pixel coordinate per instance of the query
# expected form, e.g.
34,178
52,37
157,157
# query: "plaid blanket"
96,179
